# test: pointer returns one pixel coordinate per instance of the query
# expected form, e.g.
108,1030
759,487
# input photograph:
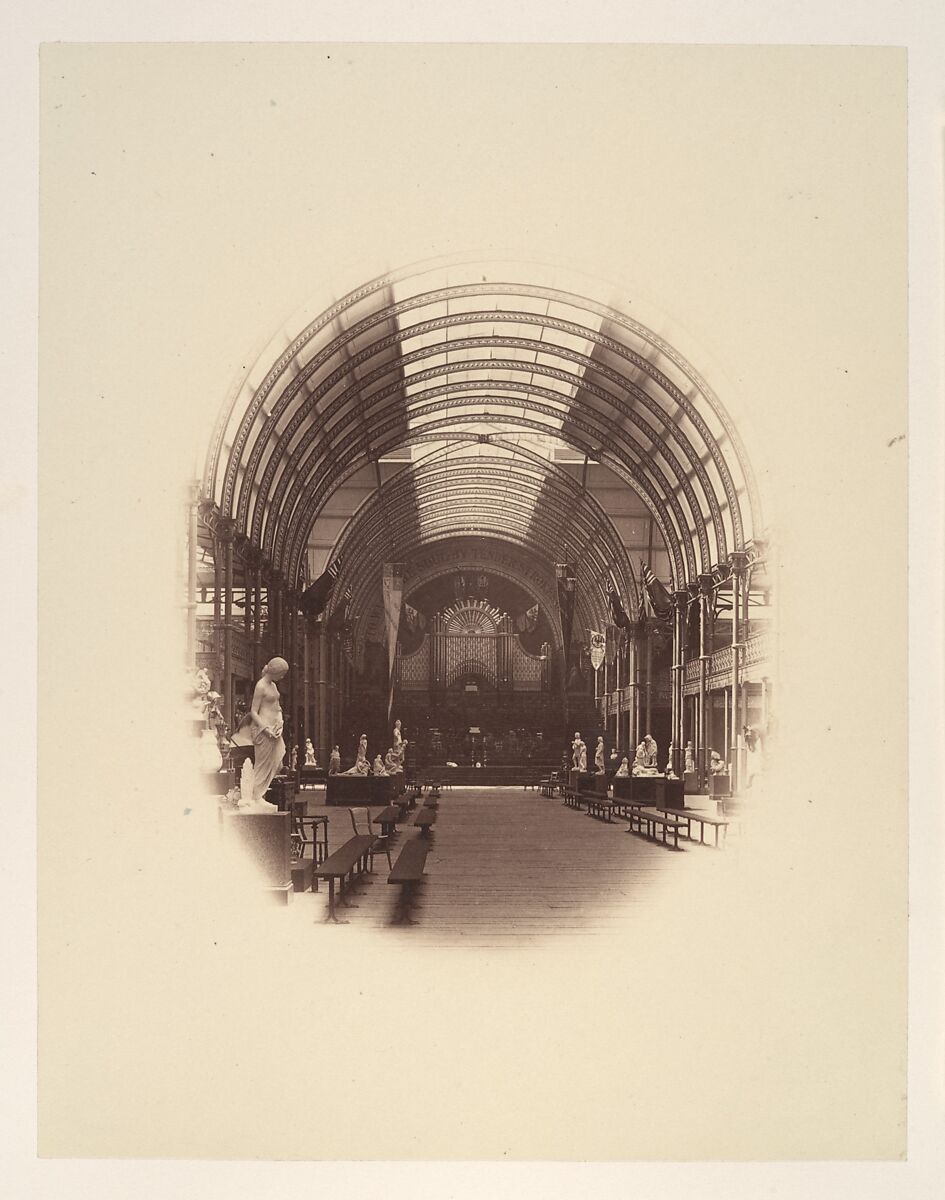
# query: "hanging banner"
392,583
567,590
610,635
598,649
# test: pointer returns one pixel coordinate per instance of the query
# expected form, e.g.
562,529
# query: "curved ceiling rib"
438,353
664,436
585,430
675,543
521,497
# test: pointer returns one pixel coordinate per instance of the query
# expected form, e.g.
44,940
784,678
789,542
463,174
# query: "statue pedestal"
650,789
379,790
264,837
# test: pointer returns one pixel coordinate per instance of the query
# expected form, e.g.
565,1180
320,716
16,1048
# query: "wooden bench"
410,862
424,821
599,806
387,819
547,787
352,856
654,820
407,873
626,808
572,797
689,815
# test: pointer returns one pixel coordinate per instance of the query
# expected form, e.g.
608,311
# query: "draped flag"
393,587
598,649
660,599
315,598
619,616
567,590
527,621
610,637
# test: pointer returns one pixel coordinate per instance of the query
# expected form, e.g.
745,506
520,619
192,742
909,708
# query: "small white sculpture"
309,753
361,764
379,766
578,754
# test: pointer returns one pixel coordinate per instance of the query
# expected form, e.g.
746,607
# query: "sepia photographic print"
481,732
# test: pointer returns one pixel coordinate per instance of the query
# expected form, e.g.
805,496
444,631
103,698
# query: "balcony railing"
757,649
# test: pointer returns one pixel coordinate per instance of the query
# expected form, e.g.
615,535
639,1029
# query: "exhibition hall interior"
480,605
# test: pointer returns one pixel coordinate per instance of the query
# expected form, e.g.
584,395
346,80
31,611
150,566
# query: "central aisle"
507,866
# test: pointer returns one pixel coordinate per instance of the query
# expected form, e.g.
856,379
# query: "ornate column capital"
706,584
225,529
738,560
208,514
251,555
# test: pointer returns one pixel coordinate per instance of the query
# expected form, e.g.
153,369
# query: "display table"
373,790
265,837
720,785
655,790
691,783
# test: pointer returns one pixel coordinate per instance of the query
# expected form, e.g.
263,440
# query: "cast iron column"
738,560
706,583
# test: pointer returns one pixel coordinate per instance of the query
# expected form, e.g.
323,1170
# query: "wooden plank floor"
506,866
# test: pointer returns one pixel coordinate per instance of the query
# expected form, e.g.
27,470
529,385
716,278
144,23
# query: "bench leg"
341,892
331,902
404,901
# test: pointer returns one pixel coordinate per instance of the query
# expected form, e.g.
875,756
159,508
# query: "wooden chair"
381,841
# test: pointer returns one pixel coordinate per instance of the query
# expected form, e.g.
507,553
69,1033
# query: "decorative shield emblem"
598,649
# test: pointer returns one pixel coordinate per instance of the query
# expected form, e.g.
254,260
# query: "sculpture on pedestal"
392,763
265,716
379,768
599,767
651,750
309,753
361,764
716,763
642,764
398,745
690,759
334,761
578,754
624,769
